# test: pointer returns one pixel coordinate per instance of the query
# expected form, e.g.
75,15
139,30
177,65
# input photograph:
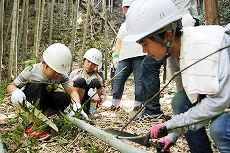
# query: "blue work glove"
158,131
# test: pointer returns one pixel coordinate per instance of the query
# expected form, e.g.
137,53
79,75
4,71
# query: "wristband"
115,56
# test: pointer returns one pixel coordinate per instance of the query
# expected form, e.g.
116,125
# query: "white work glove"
76,107
17,97
91,92
115,60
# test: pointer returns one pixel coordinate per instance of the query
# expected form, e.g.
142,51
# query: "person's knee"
94,83
215,131
180,102
80,83
60,101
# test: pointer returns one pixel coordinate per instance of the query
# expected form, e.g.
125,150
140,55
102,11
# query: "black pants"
81,83
37,93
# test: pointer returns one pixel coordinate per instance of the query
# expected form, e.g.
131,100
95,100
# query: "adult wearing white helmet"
129,55
197,140
87,81
154,24
39,82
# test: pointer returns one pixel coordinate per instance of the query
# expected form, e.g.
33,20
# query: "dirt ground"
75,140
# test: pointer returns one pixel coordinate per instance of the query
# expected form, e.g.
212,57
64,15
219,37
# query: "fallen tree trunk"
1,146
104,136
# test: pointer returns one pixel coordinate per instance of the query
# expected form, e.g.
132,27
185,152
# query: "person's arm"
117,46
11,87
75,98
211,104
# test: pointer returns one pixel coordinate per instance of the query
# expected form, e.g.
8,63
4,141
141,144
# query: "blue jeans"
220,132
133,65
198,141
151,83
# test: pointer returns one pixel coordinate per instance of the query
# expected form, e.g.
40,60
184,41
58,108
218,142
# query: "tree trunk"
106,37
211,12
15,62
41,23
71,10
25,31
21,25
51,21
1,35
37,24
12,42
104,136
86,24
8,29
74,25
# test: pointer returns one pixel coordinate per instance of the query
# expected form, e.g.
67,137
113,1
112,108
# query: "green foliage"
224,11
31,62
95,44
52,87
38,115
2,91
14,139
94,149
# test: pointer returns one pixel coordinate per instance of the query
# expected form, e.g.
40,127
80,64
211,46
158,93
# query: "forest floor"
75,140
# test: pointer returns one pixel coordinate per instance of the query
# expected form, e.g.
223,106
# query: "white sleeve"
211,104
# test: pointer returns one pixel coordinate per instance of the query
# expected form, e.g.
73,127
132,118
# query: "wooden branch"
104,136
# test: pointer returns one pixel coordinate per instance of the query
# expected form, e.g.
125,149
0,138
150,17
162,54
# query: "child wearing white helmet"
87,81
160,29
39,82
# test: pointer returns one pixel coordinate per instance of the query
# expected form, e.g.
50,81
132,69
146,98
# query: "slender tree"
71,11
1,35
37,24
8,29
211,12
12,42
15,61
86,24
106,36
21,25
25,31
41,23
74,25
51,21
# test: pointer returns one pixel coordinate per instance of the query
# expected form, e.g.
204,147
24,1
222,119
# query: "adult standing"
129,55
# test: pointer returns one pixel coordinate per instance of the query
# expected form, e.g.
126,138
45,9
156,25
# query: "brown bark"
211,12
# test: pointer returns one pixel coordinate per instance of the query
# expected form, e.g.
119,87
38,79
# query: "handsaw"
39,114
142,140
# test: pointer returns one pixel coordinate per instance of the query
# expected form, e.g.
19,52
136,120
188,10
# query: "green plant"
94,149
2,91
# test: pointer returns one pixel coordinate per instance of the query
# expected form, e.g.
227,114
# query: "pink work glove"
166,144
158,131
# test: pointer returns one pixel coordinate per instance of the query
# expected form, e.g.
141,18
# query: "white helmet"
147,16
126,3
93,55
58,57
